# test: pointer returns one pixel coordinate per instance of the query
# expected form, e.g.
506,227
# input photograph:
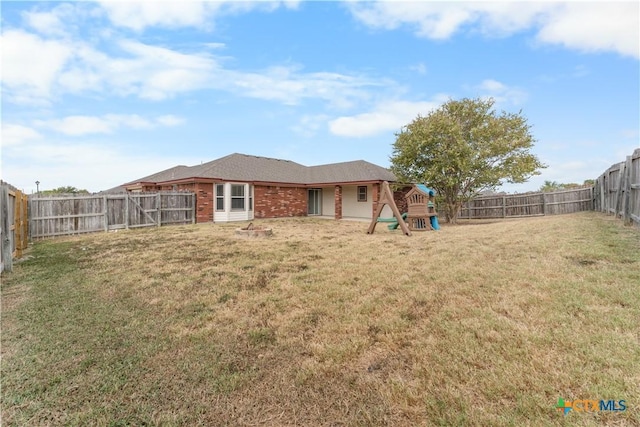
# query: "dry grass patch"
321,324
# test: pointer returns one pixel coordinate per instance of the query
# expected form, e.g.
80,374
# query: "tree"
462,148
64,190
550,186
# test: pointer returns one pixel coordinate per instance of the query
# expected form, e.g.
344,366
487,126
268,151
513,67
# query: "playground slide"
394,224
434,223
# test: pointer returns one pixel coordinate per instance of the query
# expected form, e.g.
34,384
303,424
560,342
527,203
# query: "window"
250,198
237,197
362,193
220,197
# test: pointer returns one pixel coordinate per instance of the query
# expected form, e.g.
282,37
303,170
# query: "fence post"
610,192
544,204
603,194
193,208
5,229
626,206
33,211
18,220
159,206
619,191
126,210
504,207
106,212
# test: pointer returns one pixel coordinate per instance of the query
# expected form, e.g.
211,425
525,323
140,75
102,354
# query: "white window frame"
366,190
219,196
243,197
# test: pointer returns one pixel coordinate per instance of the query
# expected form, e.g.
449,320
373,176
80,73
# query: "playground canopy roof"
426,190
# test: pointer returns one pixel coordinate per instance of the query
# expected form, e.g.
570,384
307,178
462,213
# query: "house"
241,187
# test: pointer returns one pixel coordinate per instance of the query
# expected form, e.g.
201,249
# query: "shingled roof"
247,168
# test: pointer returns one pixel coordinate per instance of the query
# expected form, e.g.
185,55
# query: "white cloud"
157,73
44,22
31,65
215,45
132,121
48,151
309,125
388,116
86,125
169,120
61,20
419,68
85,165
562,171
594,26
502,93
14,135
140,15
441,20
105,63
288,85
437,21
78,125
64,66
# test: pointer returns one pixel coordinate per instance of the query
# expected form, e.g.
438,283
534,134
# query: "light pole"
38,188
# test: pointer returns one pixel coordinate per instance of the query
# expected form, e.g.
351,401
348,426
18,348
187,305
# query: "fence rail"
528,204
14,231
64,215
617,190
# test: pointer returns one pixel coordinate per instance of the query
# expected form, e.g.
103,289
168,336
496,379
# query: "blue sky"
96,94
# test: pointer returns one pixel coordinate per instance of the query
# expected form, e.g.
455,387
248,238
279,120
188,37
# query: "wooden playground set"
420,216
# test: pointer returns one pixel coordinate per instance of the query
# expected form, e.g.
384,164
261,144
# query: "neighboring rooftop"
243,167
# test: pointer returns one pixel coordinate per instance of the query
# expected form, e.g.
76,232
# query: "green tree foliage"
462,148
550,186
64,190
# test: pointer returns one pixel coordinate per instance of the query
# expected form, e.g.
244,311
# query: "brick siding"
399,198
278,202
204,201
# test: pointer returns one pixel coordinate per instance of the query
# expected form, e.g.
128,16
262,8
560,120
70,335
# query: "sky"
97,94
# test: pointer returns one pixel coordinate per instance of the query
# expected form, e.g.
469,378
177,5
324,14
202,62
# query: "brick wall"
401,202
278,202
204,200
398,197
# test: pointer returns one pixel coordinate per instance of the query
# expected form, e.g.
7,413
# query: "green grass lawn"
478,324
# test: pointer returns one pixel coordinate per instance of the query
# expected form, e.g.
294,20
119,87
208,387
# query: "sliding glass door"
314,206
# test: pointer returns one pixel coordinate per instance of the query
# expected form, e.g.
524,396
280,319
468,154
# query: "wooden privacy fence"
529,204
617,190
14,231
63,215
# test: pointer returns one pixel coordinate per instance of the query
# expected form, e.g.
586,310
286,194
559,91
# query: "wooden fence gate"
14,231
63,215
